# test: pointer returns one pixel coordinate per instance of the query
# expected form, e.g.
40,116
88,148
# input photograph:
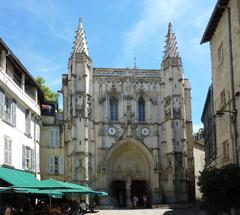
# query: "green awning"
17,178
100,193
56,184
53,193
75,191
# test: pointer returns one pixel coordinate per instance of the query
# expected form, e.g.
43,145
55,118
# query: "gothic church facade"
129,131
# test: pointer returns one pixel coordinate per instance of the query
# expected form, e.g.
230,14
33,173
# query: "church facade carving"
128,131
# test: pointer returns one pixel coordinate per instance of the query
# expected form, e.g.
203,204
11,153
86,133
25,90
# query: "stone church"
128,131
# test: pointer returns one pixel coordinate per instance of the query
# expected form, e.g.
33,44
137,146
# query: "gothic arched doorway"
130,169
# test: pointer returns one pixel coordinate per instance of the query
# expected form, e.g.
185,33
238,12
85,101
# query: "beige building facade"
223,33
129,131
52,159
199,160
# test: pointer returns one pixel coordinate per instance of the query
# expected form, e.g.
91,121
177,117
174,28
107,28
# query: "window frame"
113,108
141,109
54,137
7,150
28,119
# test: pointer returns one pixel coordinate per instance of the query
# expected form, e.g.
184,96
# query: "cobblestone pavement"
187,211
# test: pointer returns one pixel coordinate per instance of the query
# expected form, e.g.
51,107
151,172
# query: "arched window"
113,108
141,109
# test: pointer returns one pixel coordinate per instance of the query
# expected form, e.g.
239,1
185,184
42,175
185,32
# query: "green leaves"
221,187
49,95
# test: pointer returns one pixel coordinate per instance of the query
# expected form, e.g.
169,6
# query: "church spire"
80,43
171,44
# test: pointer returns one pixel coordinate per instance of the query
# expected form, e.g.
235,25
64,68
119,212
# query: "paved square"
188,211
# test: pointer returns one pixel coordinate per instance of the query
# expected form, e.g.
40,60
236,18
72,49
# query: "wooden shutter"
23,156
61,164
2,102
52,138
13,113
51,164
33,160
28,122
5,150
10,151
56,137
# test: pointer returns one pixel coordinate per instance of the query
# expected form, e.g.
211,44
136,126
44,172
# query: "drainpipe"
234,109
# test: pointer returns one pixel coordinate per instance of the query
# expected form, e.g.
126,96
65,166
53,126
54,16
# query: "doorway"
119,193
139,189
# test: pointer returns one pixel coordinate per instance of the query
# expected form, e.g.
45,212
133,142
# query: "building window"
56,165
225,150
223,97
220,53
7,150
141,109
28,122
7,109
113,108
54,140
28,158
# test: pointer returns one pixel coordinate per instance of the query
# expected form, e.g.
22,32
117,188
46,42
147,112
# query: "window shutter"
2,102
33,161
51,164
37,161
61,164
52,138
14,105
28,122
23,156
56,137
5,150
10,151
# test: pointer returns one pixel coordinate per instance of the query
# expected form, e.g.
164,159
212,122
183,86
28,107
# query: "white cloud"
47,13
196,127
156,13
202,18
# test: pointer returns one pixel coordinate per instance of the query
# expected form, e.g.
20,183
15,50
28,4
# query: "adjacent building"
199,159
208,119
129,131
20,98
223,102
51,142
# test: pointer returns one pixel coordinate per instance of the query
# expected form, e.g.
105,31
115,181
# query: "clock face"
145,131
111,131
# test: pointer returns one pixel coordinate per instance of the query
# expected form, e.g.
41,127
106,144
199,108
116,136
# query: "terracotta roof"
213,22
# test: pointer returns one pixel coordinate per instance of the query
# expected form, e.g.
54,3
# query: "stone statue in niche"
89,106
167,101
167,115
177,113
153,100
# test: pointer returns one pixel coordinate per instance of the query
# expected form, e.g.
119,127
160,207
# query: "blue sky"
41,34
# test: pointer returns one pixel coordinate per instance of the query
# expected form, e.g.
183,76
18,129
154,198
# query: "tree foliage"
221,188
49,95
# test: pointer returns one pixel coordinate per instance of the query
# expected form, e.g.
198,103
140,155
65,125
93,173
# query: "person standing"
135,202
8,211
144,198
